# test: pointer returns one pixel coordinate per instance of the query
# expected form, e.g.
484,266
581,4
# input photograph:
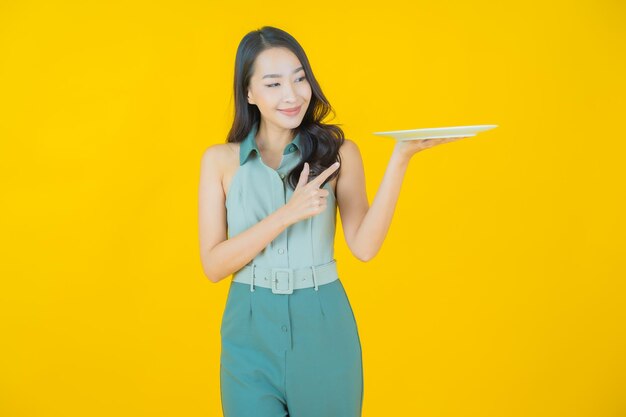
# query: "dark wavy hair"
320,141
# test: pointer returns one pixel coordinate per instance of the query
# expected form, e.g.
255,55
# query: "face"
279,83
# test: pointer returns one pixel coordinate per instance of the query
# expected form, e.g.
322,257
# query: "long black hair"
320,141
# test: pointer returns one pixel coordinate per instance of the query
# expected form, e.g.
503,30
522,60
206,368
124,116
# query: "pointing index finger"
325,174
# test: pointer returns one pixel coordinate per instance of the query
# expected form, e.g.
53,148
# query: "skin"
365,227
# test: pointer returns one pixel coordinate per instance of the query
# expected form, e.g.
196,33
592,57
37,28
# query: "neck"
273,138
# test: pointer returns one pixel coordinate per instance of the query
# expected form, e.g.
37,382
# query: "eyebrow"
280,75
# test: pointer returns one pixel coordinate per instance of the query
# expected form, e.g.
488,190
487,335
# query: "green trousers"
296,355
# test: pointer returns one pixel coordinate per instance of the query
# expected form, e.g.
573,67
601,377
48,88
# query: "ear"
250,100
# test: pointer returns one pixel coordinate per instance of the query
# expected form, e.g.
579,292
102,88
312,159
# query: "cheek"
266,99
305,91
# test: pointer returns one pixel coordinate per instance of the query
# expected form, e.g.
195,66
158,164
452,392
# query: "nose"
289,93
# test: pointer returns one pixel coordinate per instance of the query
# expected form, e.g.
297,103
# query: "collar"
249,144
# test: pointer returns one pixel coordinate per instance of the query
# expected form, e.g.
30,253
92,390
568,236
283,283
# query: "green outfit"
296,354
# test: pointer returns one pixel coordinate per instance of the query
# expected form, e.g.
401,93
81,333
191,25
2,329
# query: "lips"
291,111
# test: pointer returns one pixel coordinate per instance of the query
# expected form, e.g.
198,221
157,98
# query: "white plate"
436,132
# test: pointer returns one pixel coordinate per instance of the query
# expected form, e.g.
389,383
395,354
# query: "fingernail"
336,164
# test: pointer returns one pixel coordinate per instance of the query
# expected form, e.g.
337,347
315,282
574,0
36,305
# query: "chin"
291,124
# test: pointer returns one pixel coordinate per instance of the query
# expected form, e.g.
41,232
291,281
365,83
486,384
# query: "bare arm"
221,256
365,227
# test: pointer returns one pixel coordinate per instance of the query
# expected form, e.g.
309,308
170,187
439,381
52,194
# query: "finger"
304,175
317,181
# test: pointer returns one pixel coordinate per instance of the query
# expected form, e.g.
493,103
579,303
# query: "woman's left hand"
408,148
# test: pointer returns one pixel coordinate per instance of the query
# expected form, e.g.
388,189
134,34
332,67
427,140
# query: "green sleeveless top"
257,190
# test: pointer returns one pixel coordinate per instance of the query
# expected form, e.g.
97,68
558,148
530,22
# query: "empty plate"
436,132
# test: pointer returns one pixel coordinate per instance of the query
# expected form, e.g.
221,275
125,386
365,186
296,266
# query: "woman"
268,201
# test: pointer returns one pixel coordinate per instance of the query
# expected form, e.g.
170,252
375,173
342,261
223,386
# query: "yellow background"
499,290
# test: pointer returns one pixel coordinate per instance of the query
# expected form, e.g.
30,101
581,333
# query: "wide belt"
285,280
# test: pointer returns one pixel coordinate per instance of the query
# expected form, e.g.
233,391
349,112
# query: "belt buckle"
278,280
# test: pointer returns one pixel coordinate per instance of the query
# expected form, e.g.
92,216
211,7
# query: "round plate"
436,132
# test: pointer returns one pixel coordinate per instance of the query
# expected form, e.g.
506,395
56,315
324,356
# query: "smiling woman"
290,344
274,78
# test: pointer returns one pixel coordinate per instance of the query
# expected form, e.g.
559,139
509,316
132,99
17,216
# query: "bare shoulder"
348,146
218,158
350,154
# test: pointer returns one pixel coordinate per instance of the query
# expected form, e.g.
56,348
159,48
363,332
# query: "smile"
291,112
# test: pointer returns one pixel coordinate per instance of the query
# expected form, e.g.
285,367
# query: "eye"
271,85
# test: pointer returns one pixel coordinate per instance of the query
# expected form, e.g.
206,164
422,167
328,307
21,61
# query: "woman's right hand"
308,199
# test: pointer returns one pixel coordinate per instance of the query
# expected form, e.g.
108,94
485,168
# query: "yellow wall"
500,288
